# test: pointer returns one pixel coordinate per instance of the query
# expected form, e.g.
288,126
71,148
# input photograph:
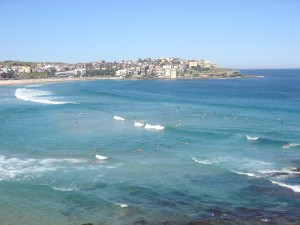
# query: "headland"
17,73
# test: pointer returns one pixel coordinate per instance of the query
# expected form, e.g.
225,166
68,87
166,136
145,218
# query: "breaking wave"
212,161
206,162
247,174
139,123
271,175
154,127
251,138
38,96
29,168
122,205
118,118
295,188
290,145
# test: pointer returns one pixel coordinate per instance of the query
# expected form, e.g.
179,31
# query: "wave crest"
295,188
247,174
154,127
206,162
38,96
118,118
251,138
290,145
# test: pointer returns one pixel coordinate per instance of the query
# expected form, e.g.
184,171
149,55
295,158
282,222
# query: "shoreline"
12,82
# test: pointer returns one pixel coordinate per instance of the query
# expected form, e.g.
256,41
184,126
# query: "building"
173,74
160,72
193,64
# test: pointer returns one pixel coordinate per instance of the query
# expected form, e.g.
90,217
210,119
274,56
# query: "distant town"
162,68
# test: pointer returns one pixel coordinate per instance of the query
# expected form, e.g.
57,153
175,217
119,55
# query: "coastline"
12,82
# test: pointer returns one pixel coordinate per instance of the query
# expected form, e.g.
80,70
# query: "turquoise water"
226,153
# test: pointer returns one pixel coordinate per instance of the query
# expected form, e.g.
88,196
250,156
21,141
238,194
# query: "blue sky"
231,33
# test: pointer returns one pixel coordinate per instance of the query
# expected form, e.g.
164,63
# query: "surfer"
286,145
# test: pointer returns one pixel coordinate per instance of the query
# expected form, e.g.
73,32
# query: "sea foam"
295,188
122,205
101,157
246,174
66,189
38,96
251,138
29,168
139,123
206,162
290,145
118,118
154,127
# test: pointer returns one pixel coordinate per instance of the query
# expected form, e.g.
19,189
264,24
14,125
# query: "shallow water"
220,150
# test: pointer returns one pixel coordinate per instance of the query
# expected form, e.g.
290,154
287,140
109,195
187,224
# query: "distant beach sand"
48,80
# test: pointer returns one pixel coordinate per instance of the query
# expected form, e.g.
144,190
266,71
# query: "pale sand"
48,80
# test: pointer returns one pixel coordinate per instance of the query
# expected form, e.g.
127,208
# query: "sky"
241,34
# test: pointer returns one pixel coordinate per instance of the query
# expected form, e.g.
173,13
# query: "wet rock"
296,169
140,222
243,211
205,222
279,174
167,223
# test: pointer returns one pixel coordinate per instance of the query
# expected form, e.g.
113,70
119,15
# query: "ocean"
178,151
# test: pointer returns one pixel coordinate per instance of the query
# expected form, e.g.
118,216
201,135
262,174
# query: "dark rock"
140,222
296,170
205,222
243,211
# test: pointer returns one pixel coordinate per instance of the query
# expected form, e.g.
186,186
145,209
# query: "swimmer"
280,120
140,150
286,145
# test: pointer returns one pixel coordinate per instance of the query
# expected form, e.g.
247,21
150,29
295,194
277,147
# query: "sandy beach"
48,80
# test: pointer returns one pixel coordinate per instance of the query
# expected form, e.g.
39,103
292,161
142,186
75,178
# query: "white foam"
154,127
122,205
283,172
251,138
206,162
38,96
101,157
266,220
65,189
118,118
290,145
52,160
295,188
139,123
246,174
29,168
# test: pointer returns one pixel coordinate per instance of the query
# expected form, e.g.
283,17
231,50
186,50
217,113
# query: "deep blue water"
227,151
